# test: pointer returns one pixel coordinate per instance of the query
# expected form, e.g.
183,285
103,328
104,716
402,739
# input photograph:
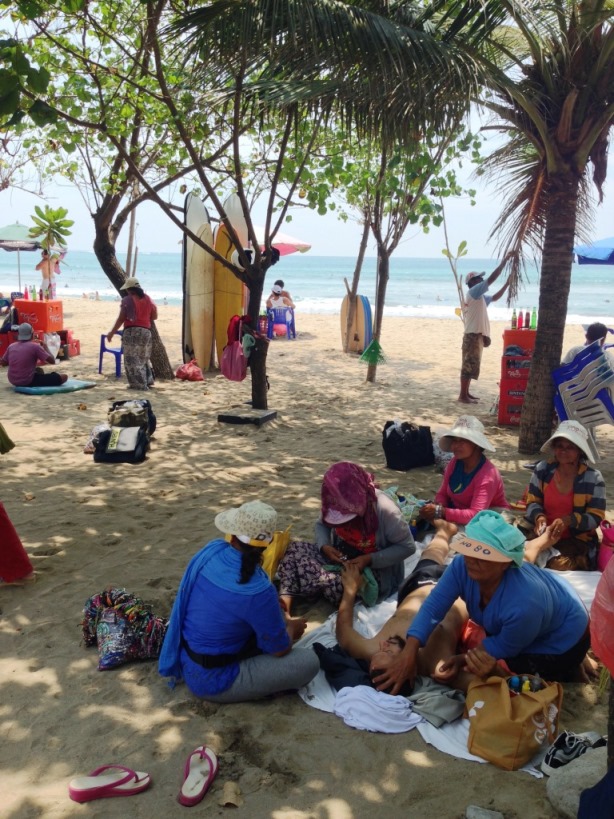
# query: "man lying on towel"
22,356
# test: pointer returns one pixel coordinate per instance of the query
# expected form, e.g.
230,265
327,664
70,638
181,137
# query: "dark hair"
596,331
406,688
138,290
279,282
251,558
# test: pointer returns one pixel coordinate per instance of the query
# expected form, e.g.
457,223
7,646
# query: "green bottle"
514,319
534,319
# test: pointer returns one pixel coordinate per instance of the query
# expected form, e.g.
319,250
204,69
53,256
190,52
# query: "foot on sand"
467,400
29,578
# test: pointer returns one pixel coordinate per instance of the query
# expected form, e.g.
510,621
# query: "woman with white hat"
136,313
470,481
228,637
567,495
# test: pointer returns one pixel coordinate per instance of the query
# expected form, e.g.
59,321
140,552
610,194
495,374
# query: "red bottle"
519,323
527,320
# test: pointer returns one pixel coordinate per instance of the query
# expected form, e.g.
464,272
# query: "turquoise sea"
417,287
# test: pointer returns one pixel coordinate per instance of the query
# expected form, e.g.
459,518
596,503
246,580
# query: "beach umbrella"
17,238
600,252
285,243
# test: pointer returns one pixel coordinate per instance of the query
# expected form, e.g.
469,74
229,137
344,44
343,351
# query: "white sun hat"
572,431
468,428
251,521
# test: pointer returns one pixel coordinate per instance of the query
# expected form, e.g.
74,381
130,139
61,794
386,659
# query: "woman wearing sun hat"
567,495
470,481
136,313
358,524
533,619
228,637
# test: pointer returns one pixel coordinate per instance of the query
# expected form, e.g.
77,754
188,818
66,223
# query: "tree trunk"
105,253
257,359
555,280
354,289
383,274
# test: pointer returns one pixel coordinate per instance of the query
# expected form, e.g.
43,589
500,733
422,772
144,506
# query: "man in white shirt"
477,327
594,332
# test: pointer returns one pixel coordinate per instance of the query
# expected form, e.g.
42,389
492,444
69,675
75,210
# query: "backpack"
136,412
407,446
122,445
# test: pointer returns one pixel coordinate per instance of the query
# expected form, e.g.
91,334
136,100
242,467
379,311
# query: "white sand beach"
87,526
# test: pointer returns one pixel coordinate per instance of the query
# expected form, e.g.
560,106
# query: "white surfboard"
197,325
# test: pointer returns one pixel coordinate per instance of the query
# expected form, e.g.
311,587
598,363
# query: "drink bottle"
534,319
527,320
33,294
26,292
514,319
520,320
40,293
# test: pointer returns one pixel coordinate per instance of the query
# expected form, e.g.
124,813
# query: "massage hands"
333,555
403,668
554,531
428,512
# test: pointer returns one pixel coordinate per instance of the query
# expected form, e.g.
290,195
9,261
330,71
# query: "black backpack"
135,412
407,446
121,445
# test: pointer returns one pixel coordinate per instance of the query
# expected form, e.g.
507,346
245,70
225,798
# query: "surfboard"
362,326
229,291
197,280
234,211
199,287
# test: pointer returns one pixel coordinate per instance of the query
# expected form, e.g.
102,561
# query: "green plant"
52,226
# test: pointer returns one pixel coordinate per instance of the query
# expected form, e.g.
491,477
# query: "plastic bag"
190,371
602,618
53,343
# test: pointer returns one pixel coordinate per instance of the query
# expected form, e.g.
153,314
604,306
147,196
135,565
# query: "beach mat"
72,385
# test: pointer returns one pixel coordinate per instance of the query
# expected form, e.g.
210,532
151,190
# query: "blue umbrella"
601,252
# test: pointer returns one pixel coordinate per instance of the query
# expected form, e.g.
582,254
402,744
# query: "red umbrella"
285,243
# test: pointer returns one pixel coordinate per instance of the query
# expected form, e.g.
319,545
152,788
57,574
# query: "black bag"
407,446
135,412
121,445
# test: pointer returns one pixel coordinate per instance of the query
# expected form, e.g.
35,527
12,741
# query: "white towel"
370,710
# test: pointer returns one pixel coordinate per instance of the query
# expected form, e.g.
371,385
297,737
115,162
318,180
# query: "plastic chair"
116,351
281,315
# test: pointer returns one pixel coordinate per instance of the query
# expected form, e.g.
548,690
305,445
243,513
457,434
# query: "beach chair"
281,315
116,351
583,390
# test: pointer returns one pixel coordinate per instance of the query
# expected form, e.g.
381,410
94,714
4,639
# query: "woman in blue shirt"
533,620
228,637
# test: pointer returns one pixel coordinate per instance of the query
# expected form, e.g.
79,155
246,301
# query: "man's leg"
470,366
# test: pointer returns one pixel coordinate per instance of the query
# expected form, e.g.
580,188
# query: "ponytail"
251,558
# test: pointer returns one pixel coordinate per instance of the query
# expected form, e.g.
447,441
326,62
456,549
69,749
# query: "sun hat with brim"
572,431
24,332
130,282
253,523
468,428
471,276
488,537
335,518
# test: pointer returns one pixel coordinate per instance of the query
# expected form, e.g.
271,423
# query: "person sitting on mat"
22,356
533,619
470,481
228,637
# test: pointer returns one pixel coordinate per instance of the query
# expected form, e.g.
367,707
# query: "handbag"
606,547
407,445
508,728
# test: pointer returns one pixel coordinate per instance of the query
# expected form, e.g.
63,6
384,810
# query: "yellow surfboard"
228,291
361,333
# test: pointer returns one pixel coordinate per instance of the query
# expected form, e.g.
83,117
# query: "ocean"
417,287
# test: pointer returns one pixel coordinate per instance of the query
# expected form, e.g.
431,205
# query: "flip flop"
200,770
120,781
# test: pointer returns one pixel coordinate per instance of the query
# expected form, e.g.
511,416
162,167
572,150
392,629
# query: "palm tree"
555,103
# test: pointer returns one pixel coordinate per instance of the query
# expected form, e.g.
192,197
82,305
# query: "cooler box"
522,339
44,316
516,367
511,388
509,411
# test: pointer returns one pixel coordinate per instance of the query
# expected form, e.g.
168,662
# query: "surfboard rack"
251,416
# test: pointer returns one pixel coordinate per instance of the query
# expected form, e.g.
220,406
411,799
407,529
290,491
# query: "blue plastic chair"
281,315
116,351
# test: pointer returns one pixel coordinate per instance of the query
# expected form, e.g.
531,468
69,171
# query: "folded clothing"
370,710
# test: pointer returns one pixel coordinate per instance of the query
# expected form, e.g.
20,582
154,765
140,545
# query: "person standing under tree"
477,326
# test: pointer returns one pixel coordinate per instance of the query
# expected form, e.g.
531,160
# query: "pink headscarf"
349,489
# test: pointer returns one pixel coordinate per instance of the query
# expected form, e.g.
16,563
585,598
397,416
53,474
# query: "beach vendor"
228,636
359,524
470,481
477,326
15,566
533,619
136,313
22,357
567,494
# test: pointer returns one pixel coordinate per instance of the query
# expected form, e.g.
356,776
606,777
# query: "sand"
89,525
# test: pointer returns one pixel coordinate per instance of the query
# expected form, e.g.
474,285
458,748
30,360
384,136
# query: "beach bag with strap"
136,412
234,363
508,728
121,445
407,445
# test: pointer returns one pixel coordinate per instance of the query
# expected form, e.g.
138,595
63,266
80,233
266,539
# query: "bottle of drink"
33,294
40,293
534,319
514,319
520,320
527,320
26,292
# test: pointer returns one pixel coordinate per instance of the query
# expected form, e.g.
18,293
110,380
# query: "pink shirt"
22,358
484,492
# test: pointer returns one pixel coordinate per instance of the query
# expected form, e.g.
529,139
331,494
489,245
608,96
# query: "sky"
327,234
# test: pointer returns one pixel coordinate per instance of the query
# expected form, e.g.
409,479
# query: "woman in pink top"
470,482
136,313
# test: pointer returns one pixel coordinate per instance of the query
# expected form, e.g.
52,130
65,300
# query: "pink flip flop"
200,770
120,781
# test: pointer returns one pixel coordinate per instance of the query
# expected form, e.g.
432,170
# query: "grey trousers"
265,674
